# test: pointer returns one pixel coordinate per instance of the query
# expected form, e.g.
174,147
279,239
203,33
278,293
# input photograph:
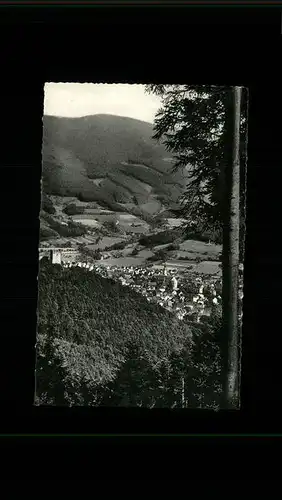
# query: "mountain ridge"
117,150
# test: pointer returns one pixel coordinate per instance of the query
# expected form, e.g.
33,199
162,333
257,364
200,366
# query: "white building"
56,257
174,283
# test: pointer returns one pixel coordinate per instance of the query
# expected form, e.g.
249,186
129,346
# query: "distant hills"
109,159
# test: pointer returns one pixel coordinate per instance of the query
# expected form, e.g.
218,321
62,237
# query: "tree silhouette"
133,385
193,125
205,128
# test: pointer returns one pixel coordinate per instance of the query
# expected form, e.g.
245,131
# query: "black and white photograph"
141,245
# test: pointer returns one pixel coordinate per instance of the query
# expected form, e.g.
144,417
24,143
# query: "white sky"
81,99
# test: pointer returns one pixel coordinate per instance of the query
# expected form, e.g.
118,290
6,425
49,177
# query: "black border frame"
53,44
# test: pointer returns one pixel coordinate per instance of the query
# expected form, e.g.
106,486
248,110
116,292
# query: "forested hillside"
100,343
108,159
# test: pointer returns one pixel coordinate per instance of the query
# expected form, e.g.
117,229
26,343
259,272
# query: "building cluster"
183,294
164,287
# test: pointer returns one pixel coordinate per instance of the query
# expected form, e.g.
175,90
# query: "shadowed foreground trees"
193,124
205,127
100,343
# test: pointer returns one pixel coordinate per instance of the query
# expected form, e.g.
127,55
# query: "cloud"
81,99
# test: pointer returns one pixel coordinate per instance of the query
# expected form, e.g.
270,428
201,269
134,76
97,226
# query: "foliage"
101,196
76,151
102,344
193,125
47,204
71,229
160,238
89,254
132,385
196,232
46,232
159,255
73,209
114,188
112,227
158,222
138,212
186,378
117,246
85,325
207,374
151,177
173,246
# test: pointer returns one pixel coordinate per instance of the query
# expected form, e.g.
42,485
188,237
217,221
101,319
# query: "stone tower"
56,257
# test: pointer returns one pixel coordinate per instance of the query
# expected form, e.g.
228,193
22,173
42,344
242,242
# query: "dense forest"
117,150
56,228
101,344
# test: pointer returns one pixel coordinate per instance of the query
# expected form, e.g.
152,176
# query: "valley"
108,185
130,279
132,301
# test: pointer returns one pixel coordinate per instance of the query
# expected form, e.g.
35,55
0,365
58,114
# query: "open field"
128,222
152,207
89,222
88,218
174,222
208,267
197,256
199,247
145,253
135,229
97,211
